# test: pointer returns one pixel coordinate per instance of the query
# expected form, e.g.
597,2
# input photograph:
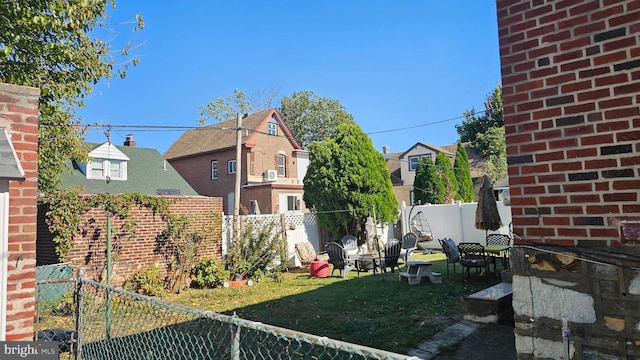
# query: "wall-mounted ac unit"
270,175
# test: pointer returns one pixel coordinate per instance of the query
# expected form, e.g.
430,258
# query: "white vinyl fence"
455,221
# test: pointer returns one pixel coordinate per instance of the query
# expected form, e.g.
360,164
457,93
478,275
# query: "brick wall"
132,252
571,91
19,115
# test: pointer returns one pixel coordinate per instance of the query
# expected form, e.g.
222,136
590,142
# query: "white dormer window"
272,128
107,162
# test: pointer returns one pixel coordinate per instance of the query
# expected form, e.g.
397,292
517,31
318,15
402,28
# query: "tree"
428,186
346,180
486,134
47,44
225,109
312,118
445,169
463,175
492,117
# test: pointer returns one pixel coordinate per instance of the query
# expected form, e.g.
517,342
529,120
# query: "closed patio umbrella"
487,216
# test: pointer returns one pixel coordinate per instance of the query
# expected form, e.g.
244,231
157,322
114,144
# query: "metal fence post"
235,339
79,297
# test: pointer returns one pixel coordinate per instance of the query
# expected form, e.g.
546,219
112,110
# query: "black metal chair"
504,241
450,249
339,259
473,255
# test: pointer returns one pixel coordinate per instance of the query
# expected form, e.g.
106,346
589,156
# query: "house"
571,85
402,166
127,169
272,164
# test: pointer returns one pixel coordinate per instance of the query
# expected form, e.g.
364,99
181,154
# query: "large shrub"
209,273
257,249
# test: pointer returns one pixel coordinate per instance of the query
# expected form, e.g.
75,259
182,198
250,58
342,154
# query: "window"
272,129
282,165
115,170
293,203
413,161
214,169
231,167
107,168
97,168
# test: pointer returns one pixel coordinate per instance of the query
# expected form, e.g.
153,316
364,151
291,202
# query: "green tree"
312,118
346,178
493,146
227,108
444,167
48,44
493,116
429,186
463,175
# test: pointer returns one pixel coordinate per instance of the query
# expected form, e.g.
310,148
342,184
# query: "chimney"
129,141
385,150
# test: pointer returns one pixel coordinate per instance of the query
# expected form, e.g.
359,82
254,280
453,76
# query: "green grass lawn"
377,311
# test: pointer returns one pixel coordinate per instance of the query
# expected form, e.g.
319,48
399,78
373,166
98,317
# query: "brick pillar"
19,115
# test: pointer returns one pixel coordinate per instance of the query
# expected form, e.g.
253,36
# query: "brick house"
125,169
402,166
571,90
273,164
18,203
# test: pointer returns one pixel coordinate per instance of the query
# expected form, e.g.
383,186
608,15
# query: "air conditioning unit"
270,175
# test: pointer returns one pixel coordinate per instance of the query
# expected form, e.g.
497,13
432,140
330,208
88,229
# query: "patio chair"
450,249
504,241
409,245
350,244
391,255
473,255
307,253
339,259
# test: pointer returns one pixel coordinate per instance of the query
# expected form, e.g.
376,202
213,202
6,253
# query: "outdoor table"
500,250
359,259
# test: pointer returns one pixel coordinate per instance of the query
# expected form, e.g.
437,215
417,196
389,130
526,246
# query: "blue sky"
392,64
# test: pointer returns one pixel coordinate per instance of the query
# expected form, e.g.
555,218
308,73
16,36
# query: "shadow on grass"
377,311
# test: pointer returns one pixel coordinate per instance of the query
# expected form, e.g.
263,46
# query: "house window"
282,165
413,161
214,169
272,129
106,168
115,169
231,167
293,203
97,168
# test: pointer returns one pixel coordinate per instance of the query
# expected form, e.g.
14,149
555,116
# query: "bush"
146,281
209,273
257,250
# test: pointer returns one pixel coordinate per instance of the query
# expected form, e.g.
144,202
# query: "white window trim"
282,166
214,172
418,157
272,127
106,169
229,166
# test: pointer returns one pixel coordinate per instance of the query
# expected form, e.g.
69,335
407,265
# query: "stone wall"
19,115
571,91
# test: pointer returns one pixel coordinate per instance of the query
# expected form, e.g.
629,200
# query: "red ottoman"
319,269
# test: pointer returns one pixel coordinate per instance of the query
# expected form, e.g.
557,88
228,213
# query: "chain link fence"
93,321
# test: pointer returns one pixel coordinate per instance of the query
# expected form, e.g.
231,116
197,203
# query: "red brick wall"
19,115
571,91
139,250
571,87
